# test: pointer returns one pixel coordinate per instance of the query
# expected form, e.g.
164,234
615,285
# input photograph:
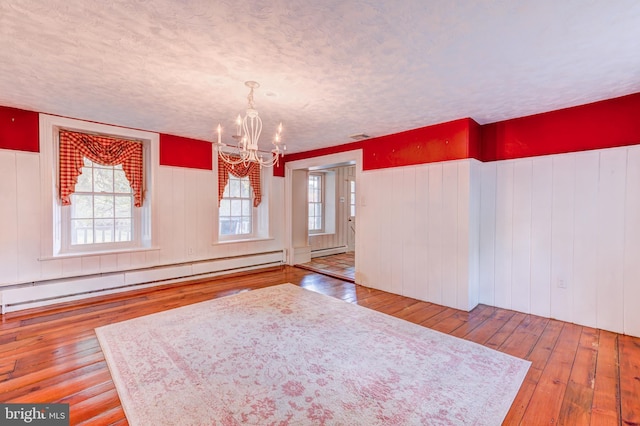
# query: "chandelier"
248,131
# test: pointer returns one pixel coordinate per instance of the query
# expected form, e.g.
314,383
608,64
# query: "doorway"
332,249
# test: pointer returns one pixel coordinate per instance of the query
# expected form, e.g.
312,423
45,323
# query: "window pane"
236,207
123,230
225,207
318,223
85,180
234,187
103,180
120,182
353,210
81,206
103,206
81,231
104,230
318,210
246,207
245,188
124,206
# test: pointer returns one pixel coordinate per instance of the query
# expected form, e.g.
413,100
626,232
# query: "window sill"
243,240
96,253
320,234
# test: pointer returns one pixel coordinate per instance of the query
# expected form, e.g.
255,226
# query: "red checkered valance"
103,150
240,170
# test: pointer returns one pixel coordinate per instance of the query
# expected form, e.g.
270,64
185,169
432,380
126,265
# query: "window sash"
236,213
85,228
316,203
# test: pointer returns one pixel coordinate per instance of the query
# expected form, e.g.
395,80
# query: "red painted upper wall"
185,152
19,129
453,140
605,124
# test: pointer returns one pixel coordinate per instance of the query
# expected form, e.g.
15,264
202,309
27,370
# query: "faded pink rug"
284,355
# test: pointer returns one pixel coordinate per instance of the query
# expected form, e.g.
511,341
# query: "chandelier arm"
230,159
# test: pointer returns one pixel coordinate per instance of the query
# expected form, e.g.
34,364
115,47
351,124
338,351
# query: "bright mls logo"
34,414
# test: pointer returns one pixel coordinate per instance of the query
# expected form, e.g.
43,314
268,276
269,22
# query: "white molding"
48,126
44,293
325,161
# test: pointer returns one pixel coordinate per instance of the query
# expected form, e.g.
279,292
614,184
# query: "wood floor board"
629,379
477,317
578,397
490,327
423,312
579,375
546,401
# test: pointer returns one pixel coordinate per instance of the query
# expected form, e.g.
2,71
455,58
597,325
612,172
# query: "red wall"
19,129
442,142
604,124
185,152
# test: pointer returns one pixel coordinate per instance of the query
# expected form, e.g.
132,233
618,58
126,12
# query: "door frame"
299,254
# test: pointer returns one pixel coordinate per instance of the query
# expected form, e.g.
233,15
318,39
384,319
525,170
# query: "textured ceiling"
327,68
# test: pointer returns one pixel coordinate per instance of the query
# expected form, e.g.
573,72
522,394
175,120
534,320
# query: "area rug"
284,355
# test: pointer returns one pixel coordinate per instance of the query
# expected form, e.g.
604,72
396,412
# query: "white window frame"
53,213
261,222
352,197
65,234
253,215
321,179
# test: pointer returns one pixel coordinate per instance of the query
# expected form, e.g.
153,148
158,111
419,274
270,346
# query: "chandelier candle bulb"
219,135
238,125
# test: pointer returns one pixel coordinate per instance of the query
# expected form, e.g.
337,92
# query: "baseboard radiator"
328,251
43,293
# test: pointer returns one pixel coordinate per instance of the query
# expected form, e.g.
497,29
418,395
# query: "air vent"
359,136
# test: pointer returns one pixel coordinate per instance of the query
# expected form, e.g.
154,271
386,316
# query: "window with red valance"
74,146
252,170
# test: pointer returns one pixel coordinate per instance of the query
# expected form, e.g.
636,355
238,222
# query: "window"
97,214
316,203
236,214
101,208
352,198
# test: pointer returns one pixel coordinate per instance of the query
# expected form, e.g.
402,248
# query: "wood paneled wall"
186,203
418,231
560,237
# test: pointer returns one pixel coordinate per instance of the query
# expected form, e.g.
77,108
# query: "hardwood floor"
341,266
579,375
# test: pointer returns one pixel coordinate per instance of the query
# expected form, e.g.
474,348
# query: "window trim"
254,214
322,202
261,220
65,235
51,214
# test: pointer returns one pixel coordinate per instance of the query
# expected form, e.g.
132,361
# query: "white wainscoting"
560,237
418,231
45,293
185,210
